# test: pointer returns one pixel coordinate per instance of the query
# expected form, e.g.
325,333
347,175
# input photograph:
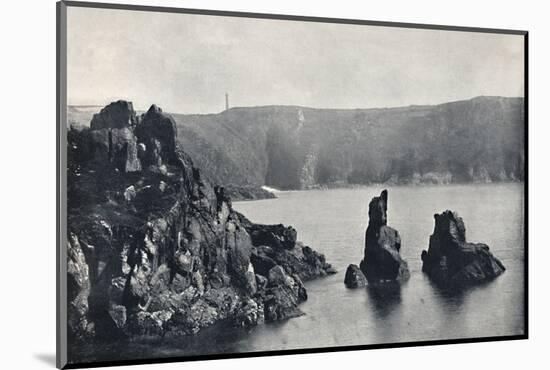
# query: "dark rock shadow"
384,297
47,358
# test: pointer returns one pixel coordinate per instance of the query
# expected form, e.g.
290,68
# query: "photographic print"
239,184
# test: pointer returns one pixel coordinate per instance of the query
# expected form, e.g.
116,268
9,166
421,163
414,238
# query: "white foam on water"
270,189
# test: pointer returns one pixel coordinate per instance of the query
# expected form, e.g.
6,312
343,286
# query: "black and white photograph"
244,184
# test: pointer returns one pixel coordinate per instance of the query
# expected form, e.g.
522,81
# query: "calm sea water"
333,222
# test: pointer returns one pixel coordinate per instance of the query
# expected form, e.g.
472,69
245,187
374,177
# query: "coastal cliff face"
288,147
155,249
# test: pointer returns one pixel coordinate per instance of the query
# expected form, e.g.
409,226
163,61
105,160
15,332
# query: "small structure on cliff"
451,260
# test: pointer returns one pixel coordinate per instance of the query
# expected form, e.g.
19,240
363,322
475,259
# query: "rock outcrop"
277,245
451,260
117,115
355,277
154,249
382,261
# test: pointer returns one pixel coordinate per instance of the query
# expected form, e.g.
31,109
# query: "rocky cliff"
155,249
289,147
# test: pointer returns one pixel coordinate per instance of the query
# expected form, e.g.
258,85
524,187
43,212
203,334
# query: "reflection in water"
333,222
449,299
384,298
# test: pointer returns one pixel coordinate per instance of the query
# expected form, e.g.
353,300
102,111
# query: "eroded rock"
382,261
451,260
355,277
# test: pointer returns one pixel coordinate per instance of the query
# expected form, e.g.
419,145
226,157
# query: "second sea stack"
451,260
382,261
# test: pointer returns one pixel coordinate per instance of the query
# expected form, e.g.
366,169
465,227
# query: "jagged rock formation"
117,115
355,277
382,261
277,245
154,249
451,260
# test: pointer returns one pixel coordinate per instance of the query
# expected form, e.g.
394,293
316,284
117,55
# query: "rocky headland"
155,249
452,261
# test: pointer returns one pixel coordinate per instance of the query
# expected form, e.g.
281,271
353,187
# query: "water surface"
333,222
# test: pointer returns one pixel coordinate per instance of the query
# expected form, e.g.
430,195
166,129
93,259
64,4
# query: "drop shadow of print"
46,358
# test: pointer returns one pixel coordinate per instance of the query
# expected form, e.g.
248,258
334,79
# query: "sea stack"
382,261
451,260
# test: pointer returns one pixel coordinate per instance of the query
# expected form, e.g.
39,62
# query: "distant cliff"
290,147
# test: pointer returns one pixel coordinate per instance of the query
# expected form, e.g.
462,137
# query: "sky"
186,63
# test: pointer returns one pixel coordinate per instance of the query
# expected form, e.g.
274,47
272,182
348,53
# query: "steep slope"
288,147
154,249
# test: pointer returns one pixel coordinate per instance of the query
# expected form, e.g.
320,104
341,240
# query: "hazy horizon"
291,105
186,63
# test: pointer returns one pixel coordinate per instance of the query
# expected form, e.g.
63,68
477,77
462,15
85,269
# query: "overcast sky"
186,63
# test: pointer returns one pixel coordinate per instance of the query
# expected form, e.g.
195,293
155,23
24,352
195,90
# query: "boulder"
452,261
355,277
382,261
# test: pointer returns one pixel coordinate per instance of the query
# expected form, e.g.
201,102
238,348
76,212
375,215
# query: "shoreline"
388,185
